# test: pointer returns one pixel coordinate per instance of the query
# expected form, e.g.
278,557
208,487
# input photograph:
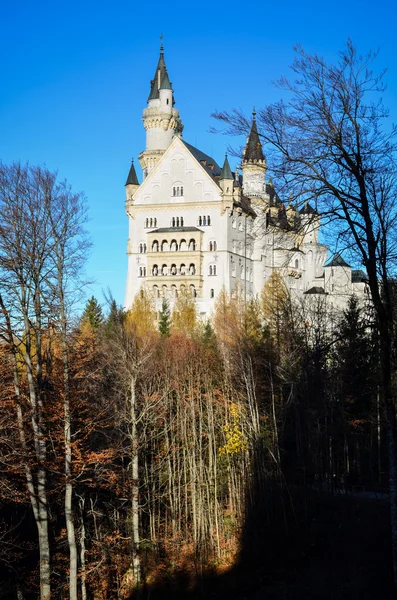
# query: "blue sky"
75,77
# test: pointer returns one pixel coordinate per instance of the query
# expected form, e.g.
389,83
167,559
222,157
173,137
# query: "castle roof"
358,276
132,178
226,171
175,229
307,210
253,148
337,261
160,80
207,162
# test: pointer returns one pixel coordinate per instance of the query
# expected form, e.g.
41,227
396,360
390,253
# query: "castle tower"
160,119
254,164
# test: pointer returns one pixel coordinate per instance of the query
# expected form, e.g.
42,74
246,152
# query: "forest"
149,454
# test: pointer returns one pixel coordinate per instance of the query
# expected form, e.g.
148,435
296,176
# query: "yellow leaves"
184,315
142,315
235,440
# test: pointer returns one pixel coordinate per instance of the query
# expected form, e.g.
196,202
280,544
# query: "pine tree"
165,319
93,314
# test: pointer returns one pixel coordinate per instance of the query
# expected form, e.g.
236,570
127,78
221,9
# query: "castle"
199,227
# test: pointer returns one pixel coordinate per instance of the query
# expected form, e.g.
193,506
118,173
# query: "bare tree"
329,141
37,227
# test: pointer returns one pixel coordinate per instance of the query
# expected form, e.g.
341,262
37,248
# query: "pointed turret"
132,178
160,76
161,120
254,164
132,183
253,149
226,172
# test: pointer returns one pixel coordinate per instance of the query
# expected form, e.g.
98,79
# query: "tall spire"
253,149
160,80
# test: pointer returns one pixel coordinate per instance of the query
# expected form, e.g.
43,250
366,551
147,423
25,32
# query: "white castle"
197,227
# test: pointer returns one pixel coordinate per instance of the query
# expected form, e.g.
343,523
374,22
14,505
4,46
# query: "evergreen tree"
165,319
93,314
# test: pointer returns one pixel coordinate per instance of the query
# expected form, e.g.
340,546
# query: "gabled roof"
132,178
253,148
226,172
337,261
204,160
160,80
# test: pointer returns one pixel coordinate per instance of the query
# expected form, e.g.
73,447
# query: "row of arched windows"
164,246
212,246
150,223
142,248
177,222
142,271
173,291
204,221
173,270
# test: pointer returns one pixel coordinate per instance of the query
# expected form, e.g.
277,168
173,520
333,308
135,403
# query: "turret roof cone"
253,149
226,172
160,80
132,178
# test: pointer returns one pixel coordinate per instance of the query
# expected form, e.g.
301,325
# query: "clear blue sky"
75,76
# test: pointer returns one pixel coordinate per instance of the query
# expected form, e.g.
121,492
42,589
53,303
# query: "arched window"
155,291
177,221
165,291
181,221
214,270
140,248
174,246
155,222
182,269
178,191
140,271
212,293
204,221
210,246
174,191
182,191
192,245
173,222
214,246
164,246
155,246
182,245
174,292
155,270
173,269
164,270
144,248
200,222
192,269
296,264
208,220
147,223
193,291
144,271
151,222
210,270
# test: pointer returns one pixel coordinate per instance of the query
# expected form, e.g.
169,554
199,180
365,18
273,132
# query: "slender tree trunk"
136,566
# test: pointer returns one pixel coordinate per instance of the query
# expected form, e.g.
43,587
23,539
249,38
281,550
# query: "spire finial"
254,114
161,43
